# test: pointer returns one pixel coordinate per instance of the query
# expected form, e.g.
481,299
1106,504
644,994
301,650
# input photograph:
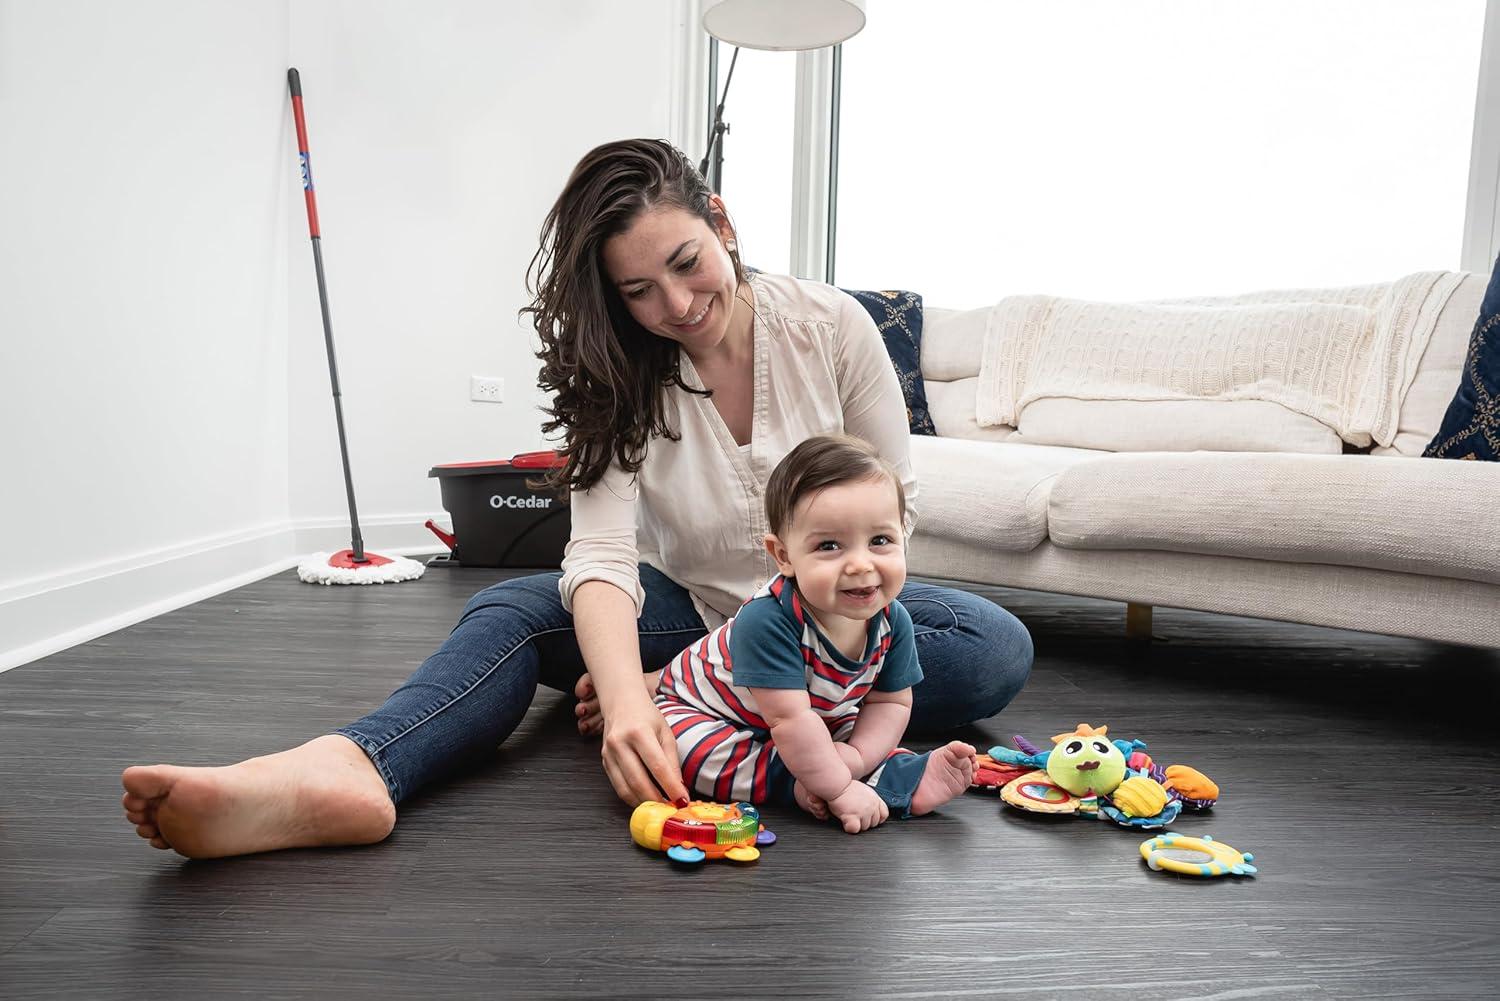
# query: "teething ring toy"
1174,853
1036,792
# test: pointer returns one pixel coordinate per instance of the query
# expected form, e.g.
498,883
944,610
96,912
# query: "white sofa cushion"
952,342
951,406
1409,515
989,494
1174,426
1438,371
1347,366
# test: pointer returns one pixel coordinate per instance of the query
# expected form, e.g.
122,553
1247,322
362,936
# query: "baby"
806,692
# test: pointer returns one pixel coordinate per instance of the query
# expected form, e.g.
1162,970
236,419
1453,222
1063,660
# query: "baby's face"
845,546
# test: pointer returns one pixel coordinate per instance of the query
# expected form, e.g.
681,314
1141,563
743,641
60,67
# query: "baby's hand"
859,808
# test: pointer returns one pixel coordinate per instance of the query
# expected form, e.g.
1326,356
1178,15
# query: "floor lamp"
777,26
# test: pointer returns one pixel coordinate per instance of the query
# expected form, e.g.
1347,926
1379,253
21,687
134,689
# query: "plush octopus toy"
1086,773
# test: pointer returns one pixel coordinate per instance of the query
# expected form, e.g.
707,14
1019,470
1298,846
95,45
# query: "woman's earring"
730,245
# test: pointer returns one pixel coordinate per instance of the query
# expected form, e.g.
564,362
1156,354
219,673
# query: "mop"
352,565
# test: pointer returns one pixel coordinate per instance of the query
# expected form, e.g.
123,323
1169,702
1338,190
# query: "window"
757,184
1147,149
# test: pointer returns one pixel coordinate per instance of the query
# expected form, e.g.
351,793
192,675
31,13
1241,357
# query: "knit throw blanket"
1343,356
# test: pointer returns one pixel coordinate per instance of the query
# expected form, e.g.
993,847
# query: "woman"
679,382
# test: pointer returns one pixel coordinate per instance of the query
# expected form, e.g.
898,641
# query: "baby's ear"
778,552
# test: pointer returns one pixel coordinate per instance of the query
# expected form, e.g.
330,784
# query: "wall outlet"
486,389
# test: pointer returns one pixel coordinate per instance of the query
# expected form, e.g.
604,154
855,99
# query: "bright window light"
757,187
1120,151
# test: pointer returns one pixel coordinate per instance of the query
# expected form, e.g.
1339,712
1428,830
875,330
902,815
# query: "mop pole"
295,82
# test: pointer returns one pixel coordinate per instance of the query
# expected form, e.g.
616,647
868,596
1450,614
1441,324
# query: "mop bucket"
498,520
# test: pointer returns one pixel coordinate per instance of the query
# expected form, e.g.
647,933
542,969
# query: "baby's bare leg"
949,771
815,805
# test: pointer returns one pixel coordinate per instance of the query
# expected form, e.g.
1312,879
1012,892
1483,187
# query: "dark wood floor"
1362,771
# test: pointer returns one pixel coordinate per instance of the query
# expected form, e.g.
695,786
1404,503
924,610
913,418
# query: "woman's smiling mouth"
696,321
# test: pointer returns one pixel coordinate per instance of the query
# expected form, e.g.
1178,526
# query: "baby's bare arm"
852,758
803,741
882,722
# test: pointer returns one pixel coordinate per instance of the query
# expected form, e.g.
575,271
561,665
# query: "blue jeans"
468,696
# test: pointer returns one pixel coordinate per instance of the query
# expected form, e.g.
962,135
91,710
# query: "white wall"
143,254
440,136
165,422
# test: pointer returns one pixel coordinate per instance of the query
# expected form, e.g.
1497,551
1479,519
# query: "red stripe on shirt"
759,790
724,786
692,762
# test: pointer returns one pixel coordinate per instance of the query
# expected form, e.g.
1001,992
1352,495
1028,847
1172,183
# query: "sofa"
1238,505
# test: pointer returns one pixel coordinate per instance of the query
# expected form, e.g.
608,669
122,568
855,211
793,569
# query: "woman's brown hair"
825,460
607,376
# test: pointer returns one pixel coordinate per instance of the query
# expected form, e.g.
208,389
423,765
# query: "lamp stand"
715,150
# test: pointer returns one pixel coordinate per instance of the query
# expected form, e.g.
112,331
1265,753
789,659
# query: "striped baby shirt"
772,642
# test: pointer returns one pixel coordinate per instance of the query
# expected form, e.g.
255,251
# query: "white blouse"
696,509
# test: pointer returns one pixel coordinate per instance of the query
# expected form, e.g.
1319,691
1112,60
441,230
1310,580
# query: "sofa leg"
1137,621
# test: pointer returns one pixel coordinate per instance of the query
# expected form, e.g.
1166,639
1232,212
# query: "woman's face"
675,277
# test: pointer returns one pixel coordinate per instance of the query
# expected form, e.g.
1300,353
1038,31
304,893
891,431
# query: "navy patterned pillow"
898,317
1471,427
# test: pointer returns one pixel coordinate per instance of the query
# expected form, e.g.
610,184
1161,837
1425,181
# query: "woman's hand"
640,753
590,717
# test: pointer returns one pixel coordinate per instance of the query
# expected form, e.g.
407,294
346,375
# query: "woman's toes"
159,842
590,718
585,688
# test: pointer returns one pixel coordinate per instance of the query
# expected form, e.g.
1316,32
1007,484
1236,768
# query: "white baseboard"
42,615
401,534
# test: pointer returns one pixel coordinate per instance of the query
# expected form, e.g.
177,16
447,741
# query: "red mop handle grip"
294,81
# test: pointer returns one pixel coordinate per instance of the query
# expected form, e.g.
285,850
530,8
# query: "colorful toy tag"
700,831
992,774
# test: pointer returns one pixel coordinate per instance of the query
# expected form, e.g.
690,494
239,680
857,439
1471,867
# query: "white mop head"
337,568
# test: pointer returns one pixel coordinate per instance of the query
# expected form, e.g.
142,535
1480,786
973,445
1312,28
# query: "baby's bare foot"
323,793
590,719
949,771
815,805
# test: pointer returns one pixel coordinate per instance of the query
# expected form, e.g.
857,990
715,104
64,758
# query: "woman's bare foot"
815,805
949,771
325,792
590,719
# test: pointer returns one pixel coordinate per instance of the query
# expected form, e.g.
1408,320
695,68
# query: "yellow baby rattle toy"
1195,856
729,831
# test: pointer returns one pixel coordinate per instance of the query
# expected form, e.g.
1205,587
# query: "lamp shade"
781,25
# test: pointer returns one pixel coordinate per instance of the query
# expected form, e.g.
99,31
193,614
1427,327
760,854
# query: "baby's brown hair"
824,460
